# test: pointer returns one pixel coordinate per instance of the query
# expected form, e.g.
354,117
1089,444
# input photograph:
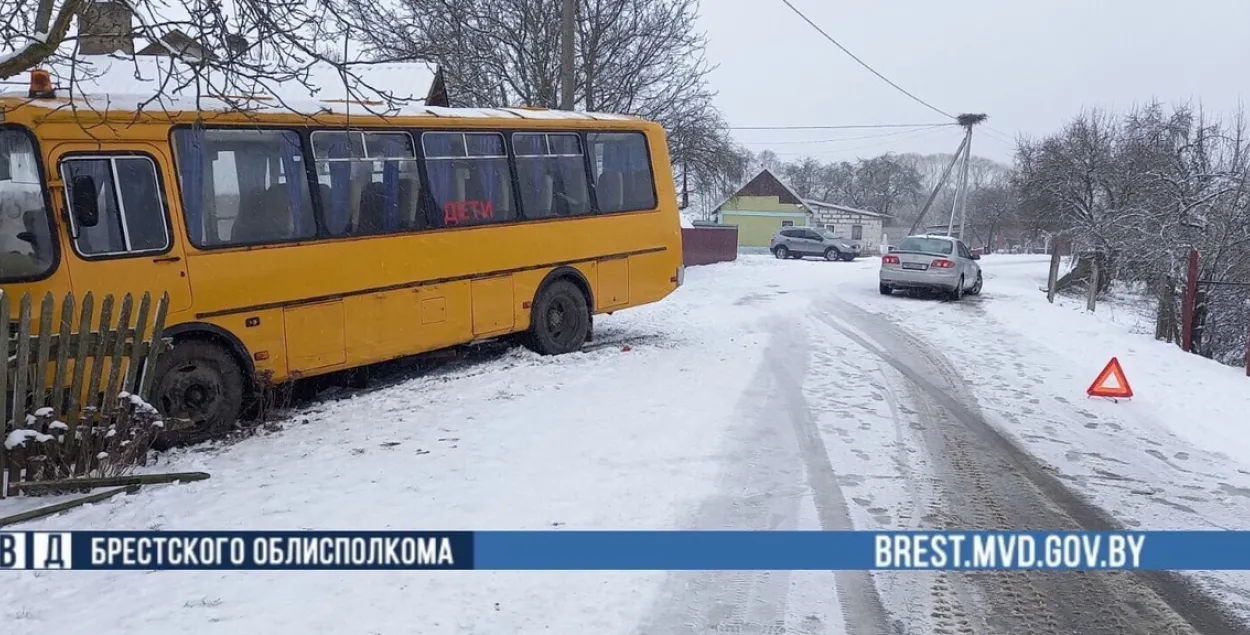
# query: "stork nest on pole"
971,119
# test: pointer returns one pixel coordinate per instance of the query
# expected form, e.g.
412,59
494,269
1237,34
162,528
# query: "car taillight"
942,263
889,260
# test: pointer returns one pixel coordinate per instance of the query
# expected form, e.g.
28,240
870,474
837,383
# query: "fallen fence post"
67,505
113,481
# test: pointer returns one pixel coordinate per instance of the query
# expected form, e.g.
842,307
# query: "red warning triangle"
1118,389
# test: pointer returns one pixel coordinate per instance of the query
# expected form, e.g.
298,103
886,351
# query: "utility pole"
963,185
938,188
568,29
959,184
960,206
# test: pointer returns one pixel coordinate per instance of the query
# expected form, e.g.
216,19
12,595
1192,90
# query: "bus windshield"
26,248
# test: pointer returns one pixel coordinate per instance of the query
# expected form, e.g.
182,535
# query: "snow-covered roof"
154,84
148,75
840,208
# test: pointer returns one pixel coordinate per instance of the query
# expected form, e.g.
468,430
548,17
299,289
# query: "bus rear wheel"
560,320
199,381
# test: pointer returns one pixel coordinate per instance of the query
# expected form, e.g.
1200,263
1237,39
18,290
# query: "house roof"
151,83
765,183
841,208
176,42
156,82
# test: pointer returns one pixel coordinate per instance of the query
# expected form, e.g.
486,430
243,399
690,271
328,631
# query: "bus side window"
552,173
131,209
470,178
243,186
622,165
371,180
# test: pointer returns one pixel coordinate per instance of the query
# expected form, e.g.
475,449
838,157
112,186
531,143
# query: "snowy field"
750,399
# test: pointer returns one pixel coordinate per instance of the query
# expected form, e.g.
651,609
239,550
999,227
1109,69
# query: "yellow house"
766,204
762,207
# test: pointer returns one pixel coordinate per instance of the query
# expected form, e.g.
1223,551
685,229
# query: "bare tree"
884,182
878,184
641,57
992,206
803,176
1144,189
231,51
766,160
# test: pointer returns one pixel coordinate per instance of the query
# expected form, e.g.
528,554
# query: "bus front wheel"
561,319
199,381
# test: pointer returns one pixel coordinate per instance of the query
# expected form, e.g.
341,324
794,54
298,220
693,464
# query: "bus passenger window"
243,187
622,167
470,178
369,181
129,202
552,172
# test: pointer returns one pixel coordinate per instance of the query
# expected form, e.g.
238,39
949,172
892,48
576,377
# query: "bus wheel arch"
206,367
560,315
572,275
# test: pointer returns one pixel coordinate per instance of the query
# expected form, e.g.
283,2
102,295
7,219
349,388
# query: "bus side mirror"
83,201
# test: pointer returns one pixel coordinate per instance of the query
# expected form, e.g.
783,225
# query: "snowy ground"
763,395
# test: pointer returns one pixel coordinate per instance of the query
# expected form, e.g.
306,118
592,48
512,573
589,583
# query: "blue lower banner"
627,550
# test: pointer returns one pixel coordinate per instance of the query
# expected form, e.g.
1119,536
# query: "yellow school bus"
295,244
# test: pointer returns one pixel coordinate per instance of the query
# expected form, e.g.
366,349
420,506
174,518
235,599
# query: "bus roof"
157,88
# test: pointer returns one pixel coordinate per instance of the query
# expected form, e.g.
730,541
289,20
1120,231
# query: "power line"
840,139
911,135
847,127
994,130
865,64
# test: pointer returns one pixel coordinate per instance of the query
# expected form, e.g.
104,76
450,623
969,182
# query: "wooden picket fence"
68,386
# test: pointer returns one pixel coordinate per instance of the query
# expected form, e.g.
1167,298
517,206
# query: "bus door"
116,202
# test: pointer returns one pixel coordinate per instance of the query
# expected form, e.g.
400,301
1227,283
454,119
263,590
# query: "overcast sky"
1029,64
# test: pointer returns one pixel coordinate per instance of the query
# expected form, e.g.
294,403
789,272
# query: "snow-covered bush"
101,444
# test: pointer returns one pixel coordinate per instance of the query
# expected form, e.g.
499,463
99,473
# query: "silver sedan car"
931,262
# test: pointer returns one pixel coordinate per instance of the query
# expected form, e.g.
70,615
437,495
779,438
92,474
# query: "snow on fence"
709,244
73,400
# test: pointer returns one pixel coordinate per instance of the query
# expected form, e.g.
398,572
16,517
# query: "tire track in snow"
760,489
995,485
918,601
787,361
779,458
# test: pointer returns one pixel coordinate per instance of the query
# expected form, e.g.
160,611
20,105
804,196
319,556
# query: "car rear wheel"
957,293
885,289
781,252
832,254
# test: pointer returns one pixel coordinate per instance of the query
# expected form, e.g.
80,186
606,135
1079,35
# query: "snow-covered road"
763,395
